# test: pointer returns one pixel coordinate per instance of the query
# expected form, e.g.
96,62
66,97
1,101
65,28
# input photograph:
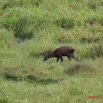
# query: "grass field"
31,28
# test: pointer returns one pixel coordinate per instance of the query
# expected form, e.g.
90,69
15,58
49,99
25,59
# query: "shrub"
66,23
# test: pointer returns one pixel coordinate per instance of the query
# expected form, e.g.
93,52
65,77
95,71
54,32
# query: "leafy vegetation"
31,28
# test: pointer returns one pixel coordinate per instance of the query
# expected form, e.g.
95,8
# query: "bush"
66,23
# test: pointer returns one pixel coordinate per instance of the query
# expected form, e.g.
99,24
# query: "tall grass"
29,30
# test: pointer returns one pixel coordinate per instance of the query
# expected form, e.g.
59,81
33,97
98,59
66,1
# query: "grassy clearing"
29,29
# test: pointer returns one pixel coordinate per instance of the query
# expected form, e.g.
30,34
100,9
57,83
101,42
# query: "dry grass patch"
83,68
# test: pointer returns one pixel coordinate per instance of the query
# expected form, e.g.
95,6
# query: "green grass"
29,29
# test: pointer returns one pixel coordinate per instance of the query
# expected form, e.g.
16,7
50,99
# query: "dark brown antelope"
59,52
